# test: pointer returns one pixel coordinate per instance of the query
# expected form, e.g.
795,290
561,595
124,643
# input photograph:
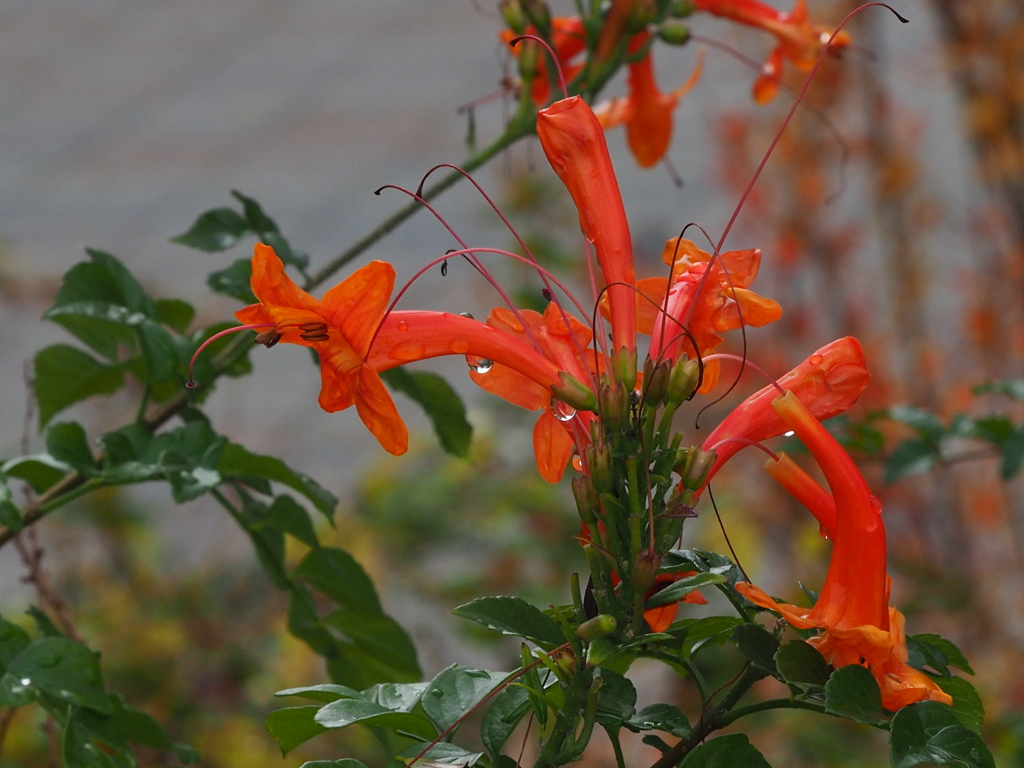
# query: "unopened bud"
587,502
601,651
682,8
566,661
529,52
674,33
644,571
599,460
656,378
624,367
614,402
512,12
574,392
640,16
698,466
683,380
540,15
597,627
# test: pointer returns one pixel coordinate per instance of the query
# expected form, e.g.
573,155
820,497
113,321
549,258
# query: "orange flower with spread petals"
646,111
859,626
800,41
339,328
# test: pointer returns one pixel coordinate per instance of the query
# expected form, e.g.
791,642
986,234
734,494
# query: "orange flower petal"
552,447
356,305
378,412
512,386
273,287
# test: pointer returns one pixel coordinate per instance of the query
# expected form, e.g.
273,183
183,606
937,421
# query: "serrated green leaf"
289,516
913,457
41,471
325,692
284,250
441,753
215,230
1013,454
63,669
293,726
660,717
680,589
616,699
175,314
233,281
237,462
950,653
345,762
13,640
440,402
967,705
10,516
697,631
380,637
757,645
126,725
928,733
925,423
67,443
455,691
159,351
336,573
508,709
732,751
800,663
513,616
852,692
345,712
257,220
398,697
65,375
1012,387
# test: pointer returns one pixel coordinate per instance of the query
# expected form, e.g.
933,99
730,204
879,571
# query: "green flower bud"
656,378
540,15
624,367
644,571
512,12
683,380
597,627
682,8
599,459
698,466
574,392
674,33
614,403
587,502
600,651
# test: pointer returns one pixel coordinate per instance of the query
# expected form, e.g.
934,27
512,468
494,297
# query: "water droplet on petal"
459,346
403,326
467,314
561,411
408,351
788,434
823,532
816,359
479,364
577,463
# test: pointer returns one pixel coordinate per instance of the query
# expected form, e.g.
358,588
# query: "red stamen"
744,361
191,383
745,441
554,58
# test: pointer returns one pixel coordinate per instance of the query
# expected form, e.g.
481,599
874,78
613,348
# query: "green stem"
613,737
565,721
764,706
516,129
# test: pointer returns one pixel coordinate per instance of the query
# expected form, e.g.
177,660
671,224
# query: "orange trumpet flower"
800,41
646,111
859,626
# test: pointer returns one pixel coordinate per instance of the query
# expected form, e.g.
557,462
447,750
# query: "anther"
268,338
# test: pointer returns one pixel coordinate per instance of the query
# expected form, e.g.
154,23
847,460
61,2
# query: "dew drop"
577,463
467,314
789,434
408,351
479,364
403,326
816,359
823,532
459,346
25,681
561,411
49,660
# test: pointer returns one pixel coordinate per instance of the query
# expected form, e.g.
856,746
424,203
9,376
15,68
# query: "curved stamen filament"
554,59
744,441
270,341
745,362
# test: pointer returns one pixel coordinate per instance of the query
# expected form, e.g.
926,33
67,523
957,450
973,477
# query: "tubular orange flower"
828,382
562,343
339,328
800,41
853,607
574,143
646,111
719,303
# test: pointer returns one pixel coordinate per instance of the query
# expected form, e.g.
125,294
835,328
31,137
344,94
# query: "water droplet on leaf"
49,660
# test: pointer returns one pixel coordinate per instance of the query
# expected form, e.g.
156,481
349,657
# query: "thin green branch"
764,706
